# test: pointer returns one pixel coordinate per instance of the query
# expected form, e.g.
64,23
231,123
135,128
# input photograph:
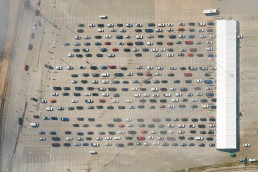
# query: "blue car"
54,118
209,94
85,144
191,36
208,81
64,119
148,30
119,37
210,55
104,67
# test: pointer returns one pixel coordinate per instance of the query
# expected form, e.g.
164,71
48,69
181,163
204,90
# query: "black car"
88,55
183,89
100,25
87,43
201,126
80,133
88,138
203,100
188,81
110,125
112,89
74,75
159,43
119,37
181,137
76,125
139,74
139,43
210,132
191,24
119,74
125,89
121,107
138,30
84,81
153,100
110,107
57,88
146,82
199,55
91,119
85,74
202,132
80,30
151,24
52,132
77,94
99,55
78,88
79,107
101,133
68,132
123,68
127,50
67,144
145,49
168,119
76,50
171,74
132,132
98,43
95,74
209,94
98,37
70,108
170,50
192,131
67,88
85,125
120,25
214,100
115,82
182,68
80,119
79,55
100,107
90,132
103,50
148,30
176,81
55,144
172,36
95,94
80,25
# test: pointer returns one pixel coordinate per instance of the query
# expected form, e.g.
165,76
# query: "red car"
148,74
107,43
121,125
156,119
188,42
181,29
184,119
129,43
143,131
188,74
190,54
26,67
102,101
169,43
129,144
141,138
35,116
112,67
193,49
115,49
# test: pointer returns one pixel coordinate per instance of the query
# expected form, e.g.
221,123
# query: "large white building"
226,84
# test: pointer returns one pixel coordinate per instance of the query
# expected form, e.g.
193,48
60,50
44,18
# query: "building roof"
226,84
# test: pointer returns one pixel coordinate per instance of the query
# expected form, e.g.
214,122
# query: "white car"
138,25
194,100
240,37
135,50
159,68
150,36
70,55
181,36
246,145
94,82
203,68
95,145
69,67
54,94
252,160
122,30
108,36
108,138
201,30
202,24
175,100
105,94
110,25
121,132
154,89
87,37
160,138
161,25
181,126
43,101
181,132
154,50
209,49
146,144
155,95
139,67
158,30
127,36
42,139
131,107
167,95
137,95
212,125
171,106
179,94
134,89
169,24
59,67
77,37
108,144
105,81
111,55
189,94
149,43
105,74
198,81
115,101
172,89
146,95
129,101
100,30
209,42
117,138
162,49
139,37
149,67
74,101
89,101
191,126
199,94
150,137
205,107
128,25
171,126
129,74
87,94
169,29
156,143
208,88
91,25
128,119
130,125
182,50
157,74
68,138
202,36
170,55
113,30
153,132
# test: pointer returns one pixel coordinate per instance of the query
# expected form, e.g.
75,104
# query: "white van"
198,138
34,124
103,17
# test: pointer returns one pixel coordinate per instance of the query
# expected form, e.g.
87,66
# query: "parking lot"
131,84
